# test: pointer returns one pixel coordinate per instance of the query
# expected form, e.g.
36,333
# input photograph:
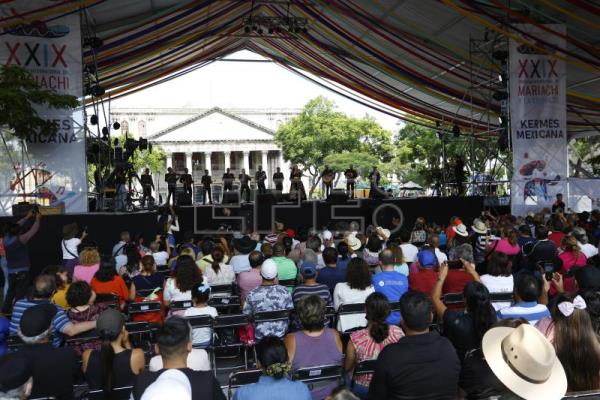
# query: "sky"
244,85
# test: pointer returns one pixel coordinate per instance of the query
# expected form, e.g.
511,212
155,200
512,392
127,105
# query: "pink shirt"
569,261
505,247
249,280
85,272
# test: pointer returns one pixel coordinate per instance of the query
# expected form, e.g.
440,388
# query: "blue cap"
308,270
426,258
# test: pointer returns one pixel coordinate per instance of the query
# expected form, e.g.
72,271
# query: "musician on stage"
351,176
228,178
120,179
374,178
147,186
206,182
244,184
327,177
278,180
260,177
171,179
186,179
296,186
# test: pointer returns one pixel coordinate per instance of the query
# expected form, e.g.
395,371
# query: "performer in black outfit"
171,179
374,178
120,179
296,186
459,175
186,179
147,186
260,177
351,176
206,182
278,180
327,177
244,187
228,180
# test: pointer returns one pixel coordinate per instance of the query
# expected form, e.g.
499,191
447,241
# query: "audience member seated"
159,252
498,278
54,369
16,378
269,296
464,328
62,284
330,275
424,278
119,248
133,266
399,264
116,364
82,308
408,249
389,282
174,343
286,269
366,344
179,288
314,345
314,243
355,290
309,284
243,247
418,236
462,271
508,244
592,301
588,249
525,362
219,273
371,251
200,296
422,364
526,294
42,290
433,242
89,263
197,360
344,257
148,279
251,279
571,257
341,393
571,332
106,280
541,250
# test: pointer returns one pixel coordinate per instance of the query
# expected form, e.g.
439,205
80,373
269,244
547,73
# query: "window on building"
141,128
124,127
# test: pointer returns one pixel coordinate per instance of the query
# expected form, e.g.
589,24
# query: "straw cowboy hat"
383,233
525,362
353,242
460,230
479,227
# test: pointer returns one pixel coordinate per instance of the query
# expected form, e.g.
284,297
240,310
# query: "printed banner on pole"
48,170
538,116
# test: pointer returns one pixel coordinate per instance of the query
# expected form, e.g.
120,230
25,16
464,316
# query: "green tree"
320,131
584,157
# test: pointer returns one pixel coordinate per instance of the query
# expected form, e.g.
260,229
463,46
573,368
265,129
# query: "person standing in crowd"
69,243
188,182
351,176
278,180
200,296
422,364
147,186
275,383
314,345
310,286
260,177
374,179
116,364
171,180
355,290
206,181
559,205
17,258
366,344
244,179
174,342
89,263
390,283
526,294
269,296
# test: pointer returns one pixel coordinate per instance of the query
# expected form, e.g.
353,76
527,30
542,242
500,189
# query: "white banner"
52,169
584,194
538,121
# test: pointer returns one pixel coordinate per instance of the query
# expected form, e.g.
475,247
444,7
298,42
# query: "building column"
188,162
207,165
169,160
247,162
281,162
227,159
265,166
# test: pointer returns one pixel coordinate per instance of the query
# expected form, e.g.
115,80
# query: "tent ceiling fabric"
412,57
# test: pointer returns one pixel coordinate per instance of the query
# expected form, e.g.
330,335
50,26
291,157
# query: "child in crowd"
200,296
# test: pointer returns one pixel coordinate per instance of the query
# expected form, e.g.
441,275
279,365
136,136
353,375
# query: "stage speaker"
267,198
230,197
184,199
338,196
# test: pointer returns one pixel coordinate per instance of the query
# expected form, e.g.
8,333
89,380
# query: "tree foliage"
584,157
320,131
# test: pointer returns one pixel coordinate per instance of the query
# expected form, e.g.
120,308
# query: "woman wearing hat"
69,245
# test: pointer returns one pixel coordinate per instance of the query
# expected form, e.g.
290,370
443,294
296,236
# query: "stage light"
116,142
94,119
143,144
500,95
499,120
116,126
105,131
456,131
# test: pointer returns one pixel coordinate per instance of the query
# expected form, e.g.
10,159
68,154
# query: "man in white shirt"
582,240
243,247
119,248
409,250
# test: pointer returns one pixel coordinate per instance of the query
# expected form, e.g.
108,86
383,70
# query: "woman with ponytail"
366,344
219,273
116,364
465,329
571,257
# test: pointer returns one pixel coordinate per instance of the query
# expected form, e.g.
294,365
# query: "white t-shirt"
320,261
409,251
589,250
201,335
161,257
225,276
172,293
441,256
120,261
498,284
240,263
69,248
197,360
343,294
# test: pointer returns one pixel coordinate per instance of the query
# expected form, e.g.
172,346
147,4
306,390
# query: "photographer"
17,257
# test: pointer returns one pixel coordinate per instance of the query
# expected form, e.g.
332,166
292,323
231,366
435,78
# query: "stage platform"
104,228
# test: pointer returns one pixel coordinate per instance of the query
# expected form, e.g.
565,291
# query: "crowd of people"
501,306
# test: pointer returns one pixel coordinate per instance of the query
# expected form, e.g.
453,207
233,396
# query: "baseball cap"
37,319
16,369
308,270
426,258
171,384
327,235
110,323
268,270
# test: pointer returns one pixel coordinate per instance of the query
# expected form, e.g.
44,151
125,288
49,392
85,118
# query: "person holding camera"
17,257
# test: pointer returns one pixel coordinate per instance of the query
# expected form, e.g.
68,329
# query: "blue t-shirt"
393,285
3,335
59,322
331,276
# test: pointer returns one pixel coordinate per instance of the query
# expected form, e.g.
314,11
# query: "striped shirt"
320,290
530,310
59,322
